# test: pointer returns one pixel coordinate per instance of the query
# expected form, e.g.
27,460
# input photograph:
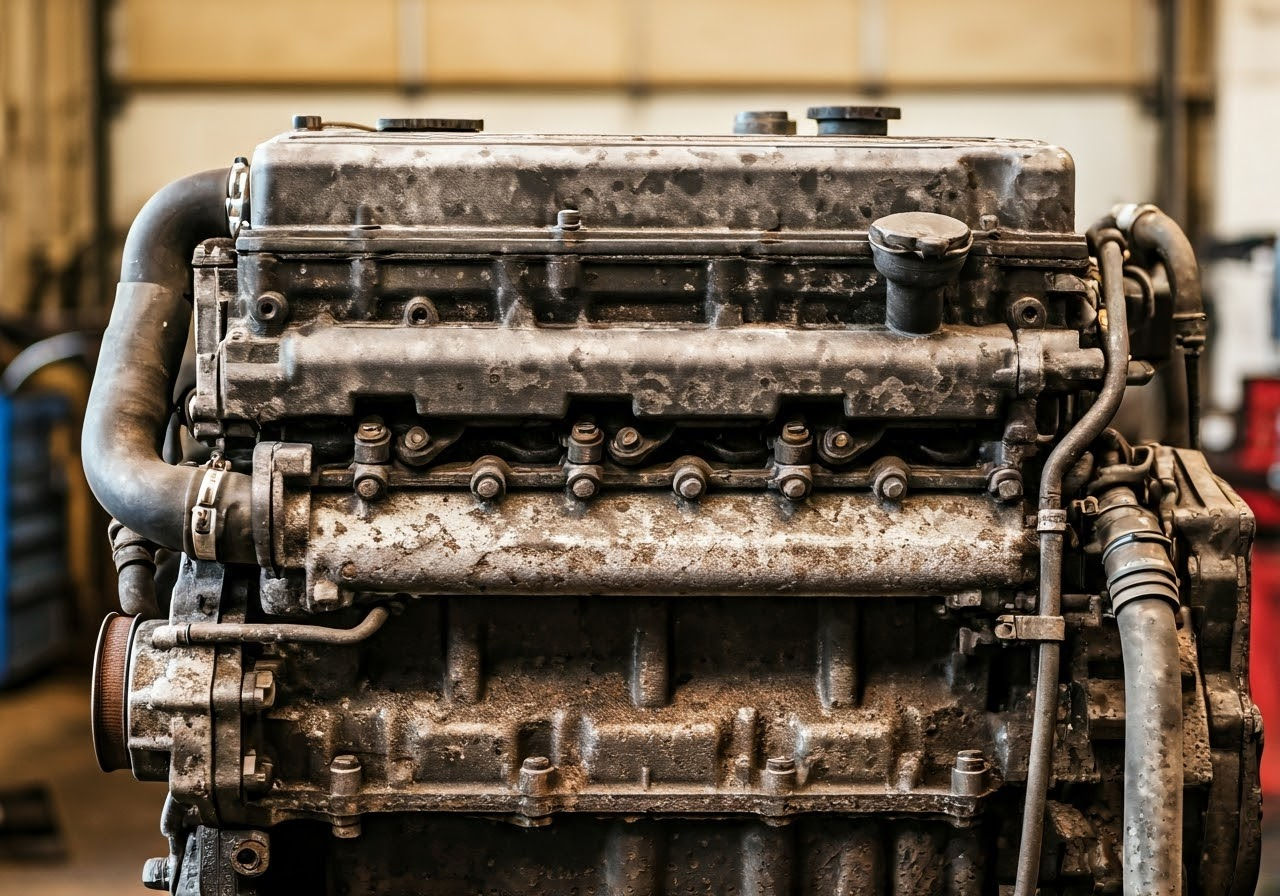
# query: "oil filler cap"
924,234
854,121
919,255
437,125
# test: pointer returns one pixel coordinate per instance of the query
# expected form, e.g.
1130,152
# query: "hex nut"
689,482
795,487
488,483
889,479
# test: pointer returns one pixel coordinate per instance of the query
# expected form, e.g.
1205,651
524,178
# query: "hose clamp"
1127,215
1051,521
237,204
204,513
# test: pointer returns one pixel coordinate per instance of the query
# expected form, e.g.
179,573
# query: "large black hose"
1052,525
129,404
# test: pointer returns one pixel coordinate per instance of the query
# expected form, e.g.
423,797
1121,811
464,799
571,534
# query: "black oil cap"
859,121
454,125
779,123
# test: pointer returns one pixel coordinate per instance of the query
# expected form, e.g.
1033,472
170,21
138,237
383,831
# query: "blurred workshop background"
1171,101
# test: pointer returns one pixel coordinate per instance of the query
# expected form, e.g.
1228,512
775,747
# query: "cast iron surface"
700,494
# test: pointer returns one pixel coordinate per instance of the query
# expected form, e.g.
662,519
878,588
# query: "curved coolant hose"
1147,227
129,404
1063,456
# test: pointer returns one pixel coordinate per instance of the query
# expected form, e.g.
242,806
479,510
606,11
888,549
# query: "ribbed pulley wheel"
110,689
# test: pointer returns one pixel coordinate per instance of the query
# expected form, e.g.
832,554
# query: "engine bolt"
1009,490
780,774
840,439
628,437
794,487
969,774
535,776
893,487
345,773
585,431
371,430
889,479
369,488
795,433
569,219
689,482
583,487
416,437
487,487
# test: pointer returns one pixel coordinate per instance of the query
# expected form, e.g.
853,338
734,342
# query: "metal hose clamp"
204,513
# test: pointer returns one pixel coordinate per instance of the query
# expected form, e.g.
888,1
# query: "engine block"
567,514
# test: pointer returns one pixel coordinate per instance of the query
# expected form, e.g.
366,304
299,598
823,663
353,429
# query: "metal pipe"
167,637
1143,587
1051,525
129,404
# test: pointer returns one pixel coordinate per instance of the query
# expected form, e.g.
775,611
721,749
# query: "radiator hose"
129,404
1144,595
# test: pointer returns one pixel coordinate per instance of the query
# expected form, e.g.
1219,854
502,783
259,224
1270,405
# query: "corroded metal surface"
657,544
639,515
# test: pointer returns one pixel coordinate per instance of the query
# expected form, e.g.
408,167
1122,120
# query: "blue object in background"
35,585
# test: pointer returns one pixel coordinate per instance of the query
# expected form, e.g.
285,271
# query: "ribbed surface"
110,666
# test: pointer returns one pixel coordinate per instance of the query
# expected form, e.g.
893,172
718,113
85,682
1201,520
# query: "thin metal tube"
1063,456
168,636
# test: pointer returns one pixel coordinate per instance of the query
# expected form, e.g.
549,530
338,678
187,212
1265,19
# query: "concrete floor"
110,823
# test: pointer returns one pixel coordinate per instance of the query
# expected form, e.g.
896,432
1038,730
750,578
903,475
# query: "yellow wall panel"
750,42
259,41
1001,42
519,41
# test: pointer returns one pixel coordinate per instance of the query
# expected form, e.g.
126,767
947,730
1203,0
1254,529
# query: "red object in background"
1259,450
1264,658
1251,473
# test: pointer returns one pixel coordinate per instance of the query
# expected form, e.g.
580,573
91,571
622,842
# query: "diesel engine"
641,515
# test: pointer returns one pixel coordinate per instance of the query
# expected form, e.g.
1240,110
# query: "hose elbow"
1148,228
129,403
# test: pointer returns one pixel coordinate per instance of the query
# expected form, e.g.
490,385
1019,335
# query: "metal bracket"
1031,628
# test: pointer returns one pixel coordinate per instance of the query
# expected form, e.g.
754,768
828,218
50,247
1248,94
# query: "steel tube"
1063,456
168,636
